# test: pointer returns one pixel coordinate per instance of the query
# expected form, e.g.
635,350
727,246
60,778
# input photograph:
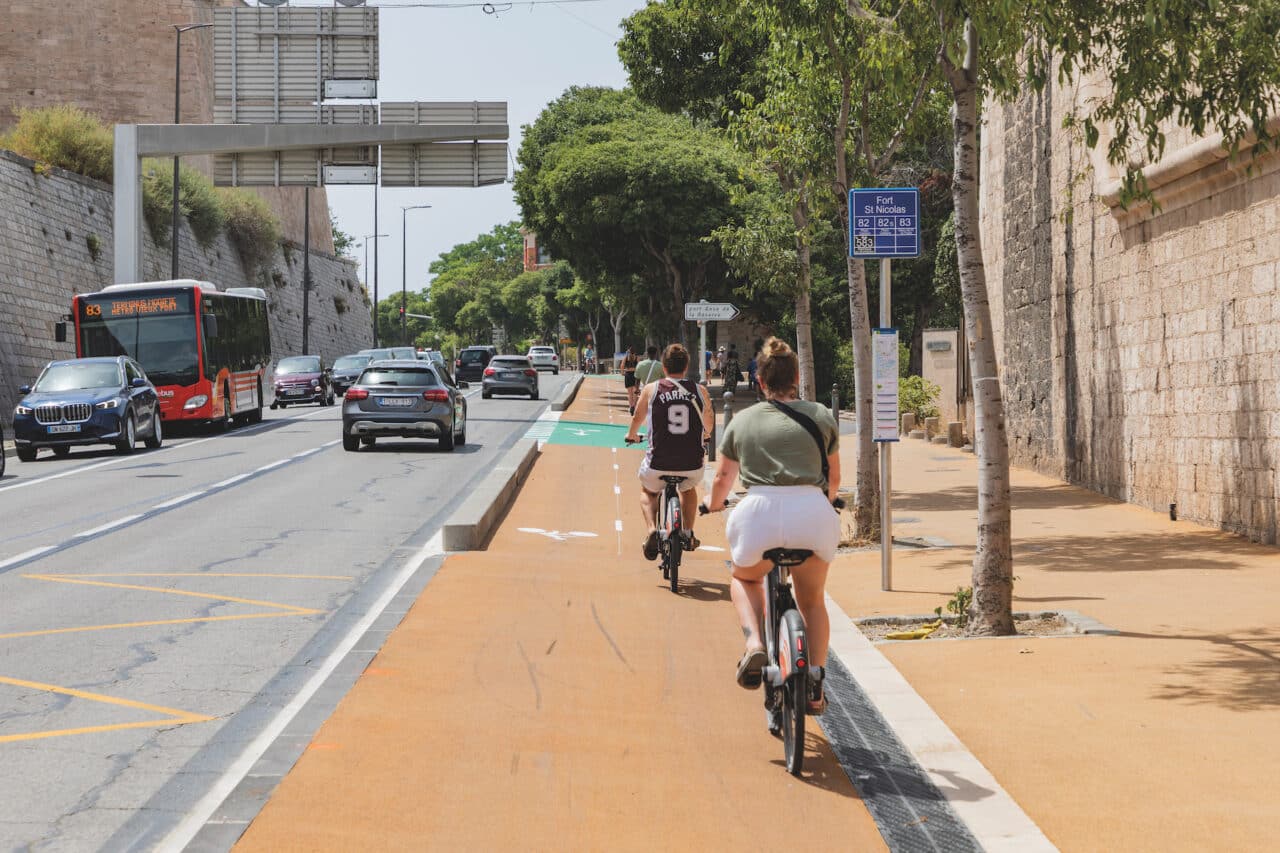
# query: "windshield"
541,351
379,354
158,332
410,376
472,356
351,362
298,364
77,377
510,363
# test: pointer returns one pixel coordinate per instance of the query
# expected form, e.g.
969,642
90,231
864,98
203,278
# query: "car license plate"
294,392
511,376
396,402
64,428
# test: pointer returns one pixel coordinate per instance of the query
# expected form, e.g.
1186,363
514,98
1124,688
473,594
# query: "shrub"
251,227
919,396
157,199
198,202
94,242
64,136
339,304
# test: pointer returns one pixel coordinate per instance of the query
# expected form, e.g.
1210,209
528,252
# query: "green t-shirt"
773,450
648,371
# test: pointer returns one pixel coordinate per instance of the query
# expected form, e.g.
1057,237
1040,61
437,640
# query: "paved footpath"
550,693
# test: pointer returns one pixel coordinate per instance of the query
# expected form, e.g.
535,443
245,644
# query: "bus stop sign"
884,223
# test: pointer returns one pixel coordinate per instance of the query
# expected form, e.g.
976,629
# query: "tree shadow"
1241,673
1112,553
965,498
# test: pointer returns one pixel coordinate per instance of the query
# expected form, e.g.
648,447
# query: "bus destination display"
136,306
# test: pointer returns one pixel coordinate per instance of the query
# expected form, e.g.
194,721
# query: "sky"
526,56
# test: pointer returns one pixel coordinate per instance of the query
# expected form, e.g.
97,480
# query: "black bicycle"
671,540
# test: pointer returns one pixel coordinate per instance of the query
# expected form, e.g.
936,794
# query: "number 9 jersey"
675,426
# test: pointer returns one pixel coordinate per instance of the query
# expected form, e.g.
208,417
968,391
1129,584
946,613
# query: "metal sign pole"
886,453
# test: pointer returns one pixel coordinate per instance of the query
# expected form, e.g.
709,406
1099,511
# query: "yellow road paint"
83,628
173,717
76,579
209,575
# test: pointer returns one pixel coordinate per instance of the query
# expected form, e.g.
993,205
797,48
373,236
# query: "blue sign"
884,223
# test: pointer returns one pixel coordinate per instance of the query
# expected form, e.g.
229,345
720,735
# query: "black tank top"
675,426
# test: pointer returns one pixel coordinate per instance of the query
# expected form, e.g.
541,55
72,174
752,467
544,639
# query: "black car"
346,370
87,401
404,398
472,362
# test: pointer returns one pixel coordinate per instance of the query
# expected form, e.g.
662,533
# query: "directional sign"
884,223
709,312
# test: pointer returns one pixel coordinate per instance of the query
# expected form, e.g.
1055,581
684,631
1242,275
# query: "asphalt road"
159,608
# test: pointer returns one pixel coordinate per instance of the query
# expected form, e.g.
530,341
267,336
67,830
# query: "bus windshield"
159,333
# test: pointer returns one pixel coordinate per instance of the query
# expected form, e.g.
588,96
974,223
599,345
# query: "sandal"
651,546
691,542
751,669
817,696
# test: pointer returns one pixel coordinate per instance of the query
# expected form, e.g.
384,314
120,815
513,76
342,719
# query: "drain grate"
909,810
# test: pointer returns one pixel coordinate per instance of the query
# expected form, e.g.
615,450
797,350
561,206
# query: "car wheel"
62,452
486,394
274,405
350,442
126,444
157,433
369,440
555,371
446,439
26,454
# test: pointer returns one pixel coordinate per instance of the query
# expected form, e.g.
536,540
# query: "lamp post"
178,30
404,269
374,238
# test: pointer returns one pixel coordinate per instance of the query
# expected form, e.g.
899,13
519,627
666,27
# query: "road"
161,608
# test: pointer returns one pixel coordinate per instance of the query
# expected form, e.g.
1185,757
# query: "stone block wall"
1140,351
56,241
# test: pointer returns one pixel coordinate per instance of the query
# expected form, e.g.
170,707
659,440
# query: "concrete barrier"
567,394
471,525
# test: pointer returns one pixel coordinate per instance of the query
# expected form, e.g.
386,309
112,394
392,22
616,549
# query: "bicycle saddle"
676,480
787,556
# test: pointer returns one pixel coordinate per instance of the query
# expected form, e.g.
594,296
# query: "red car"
303,379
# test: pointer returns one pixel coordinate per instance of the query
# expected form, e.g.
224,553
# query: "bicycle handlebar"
837,504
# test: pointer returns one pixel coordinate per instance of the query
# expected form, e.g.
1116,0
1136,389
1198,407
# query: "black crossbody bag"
811,428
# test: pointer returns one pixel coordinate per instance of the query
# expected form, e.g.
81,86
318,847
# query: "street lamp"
404,269
367,238
178,30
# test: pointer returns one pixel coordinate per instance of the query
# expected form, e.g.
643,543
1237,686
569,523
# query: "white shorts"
652,480
782,517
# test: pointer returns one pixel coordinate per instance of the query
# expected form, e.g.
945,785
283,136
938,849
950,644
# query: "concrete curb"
1076,621
567,394
471,524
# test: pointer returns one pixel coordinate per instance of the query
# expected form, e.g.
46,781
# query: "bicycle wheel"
795,690
676,538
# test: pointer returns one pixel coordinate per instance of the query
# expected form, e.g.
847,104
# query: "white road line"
189,496
996,821
26,555
208,804
617,525
617,490
275,464
110,525
231,481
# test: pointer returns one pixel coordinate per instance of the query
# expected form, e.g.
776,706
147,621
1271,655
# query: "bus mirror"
210,325
60,332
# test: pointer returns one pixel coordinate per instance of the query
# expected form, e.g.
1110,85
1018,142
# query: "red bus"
205,350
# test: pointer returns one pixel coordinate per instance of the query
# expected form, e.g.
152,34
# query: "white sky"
526,56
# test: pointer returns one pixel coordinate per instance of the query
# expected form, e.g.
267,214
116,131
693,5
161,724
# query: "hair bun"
777,347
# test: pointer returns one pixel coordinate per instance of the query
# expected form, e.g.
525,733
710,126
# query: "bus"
205,350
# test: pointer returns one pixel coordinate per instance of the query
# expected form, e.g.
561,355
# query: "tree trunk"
615,320
991,610
804,278
866,510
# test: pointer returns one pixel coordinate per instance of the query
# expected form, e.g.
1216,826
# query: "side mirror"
24,389
137,382
464,385
210,325
60,332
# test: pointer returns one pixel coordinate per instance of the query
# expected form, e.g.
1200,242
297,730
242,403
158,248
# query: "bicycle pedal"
773,675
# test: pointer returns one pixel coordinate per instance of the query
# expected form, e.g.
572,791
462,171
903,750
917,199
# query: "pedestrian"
730,372
628,370
751,375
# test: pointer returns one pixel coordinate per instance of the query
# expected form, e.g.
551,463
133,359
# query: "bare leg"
810,581
746,588
689,508
649,506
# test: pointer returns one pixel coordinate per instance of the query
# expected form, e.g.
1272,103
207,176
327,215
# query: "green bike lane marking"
582,434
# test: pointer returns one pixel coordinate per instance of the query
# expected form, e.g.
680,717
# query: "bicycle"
671,541
786,643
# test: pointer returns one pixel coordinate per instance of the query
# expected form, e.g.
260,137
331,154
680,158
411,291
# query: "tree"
343,242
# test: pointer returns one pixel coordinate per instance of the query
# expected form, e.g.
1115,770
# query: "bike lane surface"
552,693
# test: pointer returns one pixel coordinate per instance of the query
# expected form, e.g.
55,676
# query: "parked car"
106,400
472,361
432,355
407,398
544,358
510,374
389,353
346,370
302,379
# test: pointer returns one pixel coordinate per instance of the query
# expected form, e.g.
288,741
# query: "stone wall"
56,241
115,58
1139,349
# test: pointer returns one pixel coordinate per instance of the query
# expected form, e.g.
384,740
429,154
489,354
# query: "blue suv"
87,401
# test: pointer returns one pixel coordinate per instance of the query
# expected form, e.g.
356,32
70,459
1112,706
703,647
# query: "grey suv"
404,398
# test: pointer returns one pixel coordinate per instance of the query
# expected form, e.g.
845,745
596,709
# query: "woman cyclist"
628,368
788,505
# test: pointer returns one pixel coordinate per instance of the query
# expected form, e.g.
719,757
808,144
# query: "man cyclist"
679,416
649,370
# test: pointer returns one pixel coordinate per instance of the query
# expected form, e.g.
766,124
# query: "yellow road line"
75,580
80,629
205,575
175,717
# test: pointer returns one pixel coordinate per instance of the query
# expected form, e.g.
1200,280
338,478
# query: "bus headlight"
196,402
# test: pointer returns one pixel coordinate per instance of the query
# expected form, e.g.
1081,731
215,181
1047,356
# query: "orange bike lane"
552,693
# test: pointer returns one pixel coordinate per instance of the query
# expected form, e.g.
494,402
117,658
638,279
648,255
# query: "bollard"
711,444
908,422
932,426
835,401
955,433
728,408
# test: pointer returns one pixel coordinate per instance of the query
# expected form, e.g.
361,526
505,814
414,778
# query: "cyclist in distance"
788,505
673,407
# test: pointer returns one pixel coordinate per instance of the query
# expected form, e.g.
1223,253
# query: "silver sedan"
510,374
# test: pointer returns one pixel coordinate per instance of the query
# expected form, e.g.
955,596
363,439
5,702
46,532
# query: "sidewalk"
550,693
